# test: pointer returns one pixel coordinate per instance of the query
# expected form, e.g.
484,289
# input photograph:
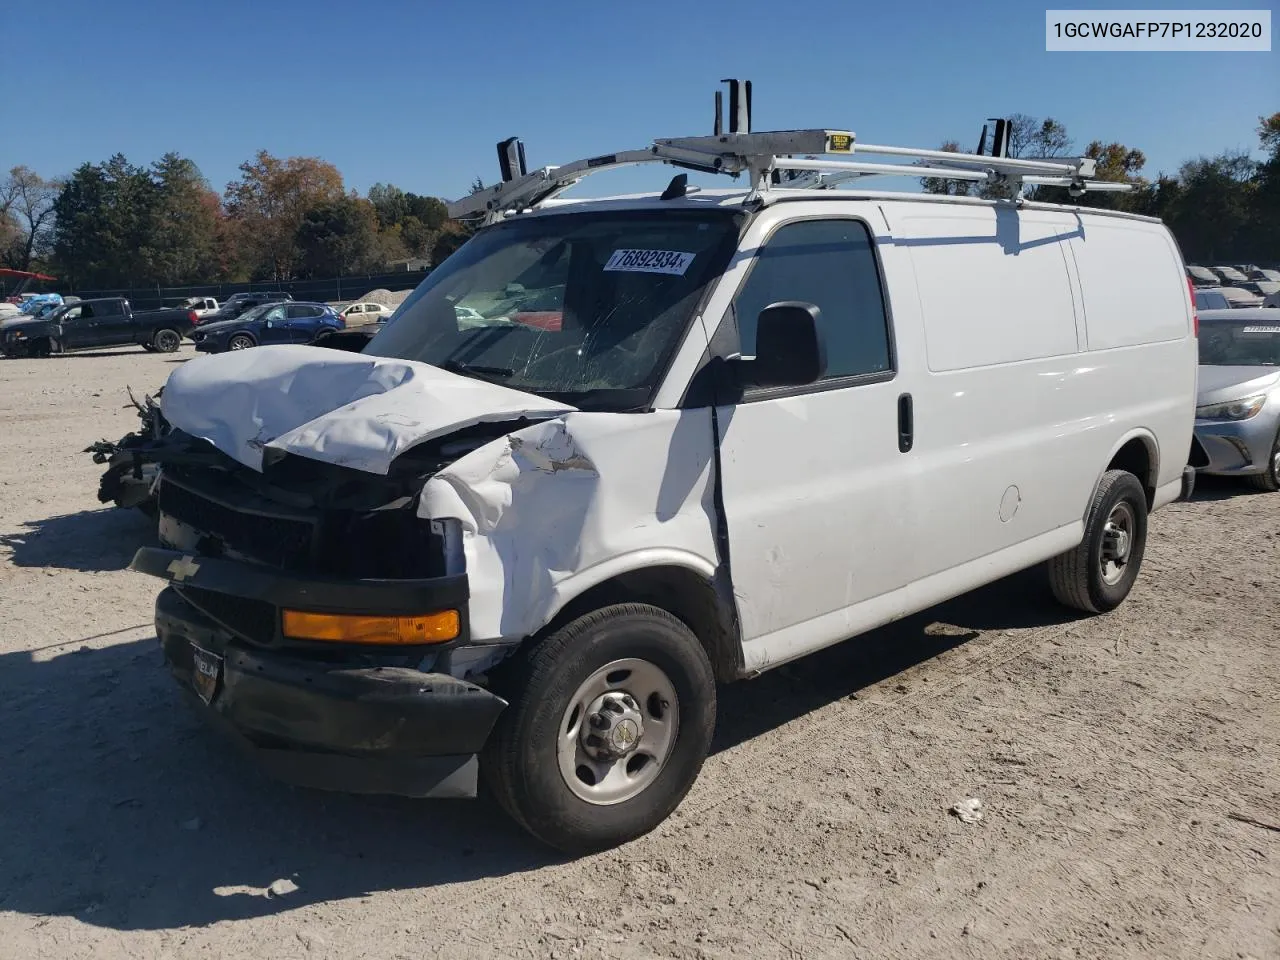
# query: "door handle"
906,423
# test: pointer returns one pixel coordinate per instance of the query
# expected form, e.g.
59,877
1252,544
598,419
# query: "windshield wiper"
477,370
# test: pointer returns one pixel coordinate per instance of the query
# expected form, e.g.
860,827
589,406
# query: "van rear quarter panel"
1015,418
1137,313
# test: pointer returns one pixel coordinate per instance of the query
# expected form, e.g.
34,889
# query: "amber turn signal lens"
343,628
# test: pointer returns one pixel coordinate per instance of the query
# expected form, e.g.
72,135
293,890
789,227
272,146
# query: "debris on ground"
967,811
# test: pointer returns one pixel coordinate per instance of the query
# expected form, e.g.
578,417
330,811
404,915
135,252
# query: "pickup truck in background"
202,306
88,324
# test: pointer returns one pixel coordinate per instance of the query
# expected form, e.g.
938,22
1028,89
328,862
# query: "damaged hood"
348,409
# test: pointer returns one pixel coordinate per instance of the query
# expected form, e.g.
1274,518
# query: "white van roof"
738,198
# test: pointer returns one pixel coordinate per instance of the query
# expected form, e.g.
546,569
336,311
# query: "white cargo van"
612,452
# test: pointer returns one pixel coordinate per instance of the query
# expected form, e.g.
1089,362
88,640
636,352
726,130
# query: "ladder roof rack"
783,159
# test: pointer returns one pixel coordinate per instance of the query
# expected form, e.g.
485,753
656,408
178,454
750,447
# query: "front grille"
270,539
254,620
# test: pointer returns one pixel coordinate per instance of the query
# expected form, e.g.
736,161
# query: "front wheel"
1098,574
1269,480
609,722
166,341
240,342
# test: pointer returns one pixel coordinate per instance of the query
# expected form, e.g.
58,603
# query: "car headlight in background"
1233,409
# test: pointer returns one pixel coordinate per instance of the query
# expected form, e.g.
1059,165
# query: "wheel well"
1137,458
695,600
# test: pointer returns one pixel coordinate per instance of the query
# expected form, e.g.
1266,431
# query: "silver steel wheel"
1117,542
240,343
618,731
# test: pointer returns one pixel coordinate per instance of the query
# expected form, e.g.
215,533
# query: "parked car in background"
365,312
1202,276
1238,404
202,306
1211,298
270,323
1262,273
1229,276
1263,288
1240,298
106,322
240,303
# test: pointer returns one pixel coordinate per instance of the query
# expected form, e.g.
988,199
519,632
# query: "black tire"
1077,576
1269,480
42,348
166,340
520,763
241,341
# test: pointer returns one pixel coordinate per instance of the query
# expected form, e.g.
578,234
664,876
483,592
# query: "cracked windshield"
585,308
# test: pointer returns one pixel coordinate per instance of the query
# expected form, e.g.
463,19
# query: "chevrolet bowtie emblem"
181,569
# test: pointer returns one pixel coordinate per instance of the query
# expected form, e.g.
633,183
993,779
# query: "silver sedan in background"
1238,402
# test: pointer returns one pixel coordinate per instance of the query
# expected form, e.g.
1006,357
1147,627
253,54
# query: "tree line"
1221,209
115,224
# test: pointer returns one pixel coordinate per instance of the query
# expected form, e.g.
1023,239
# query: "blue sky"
416,94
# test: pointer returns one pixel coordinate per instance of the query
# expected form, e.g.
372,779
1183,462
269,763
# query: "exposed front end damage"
504,515
130,477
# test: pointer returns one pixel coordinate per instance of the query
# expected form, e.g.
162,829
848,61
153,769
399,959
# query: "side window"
75,313
108,308
295,313
830,264
274,314
86,311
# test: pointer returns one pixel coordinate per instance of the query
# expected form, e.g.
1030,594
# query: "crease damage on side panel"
541,506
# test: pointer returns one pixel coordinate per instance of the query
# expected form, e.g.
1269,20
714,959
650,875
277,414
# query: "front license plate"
204,676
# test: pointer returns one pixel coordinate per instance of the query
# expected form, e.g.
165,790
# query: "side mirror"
790,349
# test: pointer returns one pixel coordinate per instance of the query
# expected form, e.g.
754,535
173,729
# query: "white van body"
1039,346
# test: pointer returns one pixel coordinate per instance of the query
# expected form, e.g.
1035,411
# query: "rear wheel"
240,341
1098,574
1269,480
610,719
166,340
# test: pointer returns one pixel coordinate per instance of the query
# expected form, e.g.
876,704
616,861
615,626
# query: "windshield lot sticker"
650,261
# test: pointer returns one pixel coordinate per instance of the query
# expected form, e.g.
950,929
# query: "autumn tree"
269,203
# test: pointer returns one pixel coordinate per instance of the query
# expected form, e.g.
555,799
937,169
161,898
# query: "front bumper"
1239,447
331,719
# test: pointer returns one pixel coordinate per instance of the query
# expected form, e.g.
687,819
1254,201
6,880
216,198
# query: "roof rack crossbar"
764,155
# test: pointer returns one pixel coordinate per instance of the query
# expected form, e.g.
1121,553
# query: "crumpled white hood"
344,408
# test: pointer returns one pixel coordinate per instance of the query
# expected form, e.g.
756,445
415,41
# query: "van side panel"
1121,264
1141,351
997,288
1007,447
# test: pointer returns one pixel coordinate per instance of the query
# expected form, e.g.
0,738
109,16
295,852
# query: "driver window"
72,314
829,263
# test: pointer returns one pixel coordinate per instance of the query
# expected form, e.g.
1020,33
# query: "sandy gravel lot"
1129,766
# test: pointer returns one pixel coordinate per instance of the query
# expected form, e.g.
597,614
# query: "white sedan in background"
358,313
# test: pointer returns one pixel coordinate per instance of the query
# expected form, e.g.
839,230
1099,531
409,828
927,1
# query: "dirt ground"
1127,766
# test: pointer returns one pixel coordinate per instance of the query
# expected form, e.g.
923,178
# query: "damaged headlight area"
307,516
